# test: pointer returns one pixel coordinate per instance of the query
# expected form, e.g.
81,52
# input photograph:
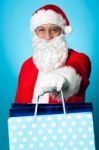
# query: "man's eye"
40,30
54,30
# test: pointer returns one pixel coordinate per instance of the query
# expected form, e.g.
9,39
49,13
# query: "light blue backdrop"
15,47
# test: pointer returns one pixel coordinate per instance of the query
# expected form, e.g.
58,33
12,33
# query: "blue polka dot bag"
51,127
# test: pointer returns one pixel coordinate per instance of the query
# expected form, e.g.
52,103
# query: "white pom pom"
68,29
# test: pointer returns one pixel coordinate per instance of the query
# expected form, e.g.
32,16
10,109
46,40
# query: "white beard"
49,55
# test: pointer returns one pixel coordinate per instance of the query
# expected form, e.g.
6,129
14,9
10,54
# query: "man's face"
48,31
50,48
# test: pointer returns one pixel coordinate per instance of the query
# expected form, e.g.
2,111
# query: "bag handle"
63,104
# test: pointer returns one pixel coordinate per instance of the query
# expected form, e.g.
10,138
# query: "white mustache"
49,54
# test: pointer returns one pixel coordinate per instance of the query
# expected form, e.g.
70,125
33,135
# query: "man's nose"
48,36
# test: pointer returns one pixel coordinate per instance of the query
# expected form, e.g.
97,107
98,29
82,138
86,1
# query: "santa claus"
54,66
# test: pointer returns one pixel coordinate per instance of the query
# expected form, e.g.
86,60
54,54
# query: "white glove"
52,82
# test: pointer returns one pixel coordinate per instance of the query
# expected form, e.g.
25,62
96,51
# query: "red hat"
50,14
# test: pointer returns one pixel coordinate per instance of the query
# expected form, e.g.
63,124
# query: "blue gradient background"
15,47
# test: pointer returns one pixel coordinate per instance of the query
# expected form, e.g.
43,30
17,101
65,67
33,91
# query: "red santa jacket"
29,73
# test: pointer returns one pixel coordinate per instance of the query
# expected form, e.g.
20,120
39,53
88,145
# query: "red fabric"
26,82
28,75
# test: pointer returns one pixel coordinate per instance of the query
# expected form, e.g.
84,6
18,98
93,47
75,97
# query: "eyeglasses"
52,30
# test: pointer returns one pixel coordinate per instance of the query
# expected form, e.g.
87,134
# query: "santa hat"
50,14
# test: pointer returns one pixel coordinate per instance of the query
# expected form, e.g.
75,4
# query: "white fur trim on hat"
48,16
73,79
68,29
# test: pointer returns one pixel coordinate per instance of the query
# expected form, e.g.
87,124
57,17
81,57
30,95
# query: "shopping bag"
51,127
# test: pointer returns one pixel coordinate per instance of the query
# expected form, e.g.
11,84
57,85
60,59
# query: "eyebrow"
54,26
40,27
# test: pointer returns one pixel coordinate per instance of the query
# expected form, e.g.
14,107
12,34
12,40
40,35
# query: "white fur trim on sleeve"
73,78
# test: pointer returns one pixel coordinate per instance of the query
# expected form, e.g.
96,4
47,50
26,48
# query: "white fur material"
73,79
45,84
51,81
44,98
48,16
49,55
68,29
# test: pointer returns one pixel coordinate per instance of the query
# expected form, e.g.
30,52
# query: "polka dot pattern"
52,132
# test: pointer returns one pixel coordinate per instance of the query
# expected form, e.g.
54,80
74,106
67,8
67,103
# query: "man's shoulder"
75,53
28,63
72,51
75,56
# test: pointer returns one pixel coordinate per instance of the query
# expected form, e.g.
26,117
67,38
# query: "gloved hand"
52,82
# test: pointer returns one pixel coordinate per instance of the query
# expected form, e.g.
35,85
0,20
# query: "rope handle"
63,104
